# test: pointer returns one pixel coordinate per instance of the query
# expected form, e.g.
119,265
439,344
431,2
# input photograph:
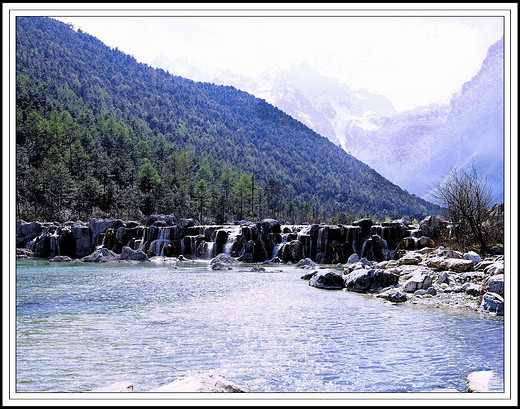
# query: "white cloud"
412,61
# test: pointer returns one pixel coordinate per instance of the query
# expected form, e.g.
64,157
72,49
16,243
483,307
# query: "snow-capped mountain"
416,149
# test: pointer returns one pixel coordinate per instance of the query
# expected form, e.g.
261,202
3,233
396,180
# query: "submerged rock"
393,295
308,276
61,259
220,266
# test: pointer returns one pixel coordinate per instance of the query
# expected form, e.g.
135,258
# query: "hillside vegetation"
100,135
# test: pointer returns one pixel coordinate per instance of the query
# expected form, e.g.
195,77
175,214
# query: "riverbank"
437,278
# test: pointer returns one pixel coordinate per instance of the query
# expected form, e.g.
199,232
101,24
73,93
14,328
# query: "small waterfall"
162,240
363,248
318,243
32,244
55,243
207,249
193,246
232,237
278,247
386,252
102,242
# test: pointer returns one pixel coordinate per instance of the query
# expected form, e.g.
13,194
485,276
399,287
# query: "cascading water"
278,247
363,248
232,237
208,246
386,252
162,240
31,244
102,242
193,246
55,243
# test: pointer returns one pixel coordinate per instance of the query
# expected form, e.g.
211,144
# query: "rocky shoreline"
438,278
395,261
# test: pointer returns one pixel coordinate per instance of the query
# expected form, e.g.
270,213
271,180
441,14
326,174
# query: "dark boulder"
328,280
393,295
167,219
292,251
363,280
25,232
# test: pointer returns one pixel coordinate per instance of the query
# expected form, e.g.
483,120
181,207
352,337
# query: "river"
81,326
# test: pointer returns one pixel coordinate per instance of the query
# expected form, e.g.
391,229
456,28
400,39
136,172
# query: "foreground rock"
210,382
479,381
306,263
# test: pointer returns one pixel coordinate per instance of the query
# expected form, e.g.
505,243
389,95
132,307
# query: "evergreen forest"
99,134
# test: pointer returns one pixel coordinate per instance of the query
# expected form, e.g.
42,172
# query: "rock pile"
437,277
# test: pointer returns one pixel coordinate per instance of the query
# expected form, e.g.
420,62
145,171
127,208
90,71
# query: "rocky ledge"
439,278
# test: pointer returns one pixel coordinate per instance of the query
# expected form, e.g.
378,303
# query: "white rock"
418,281
207,382
479,381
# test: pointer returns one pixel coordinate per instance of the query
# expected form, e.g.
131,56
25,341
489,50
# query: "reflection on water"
81,326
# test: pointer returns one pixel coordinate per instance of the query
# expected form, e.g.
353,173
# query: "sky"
413,61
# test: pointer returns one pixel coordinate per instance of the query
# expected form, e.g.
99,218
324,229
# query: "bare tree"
467,199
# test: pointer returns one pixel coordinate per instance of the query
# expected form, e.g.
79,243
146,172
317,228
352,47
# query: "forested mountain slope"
99,134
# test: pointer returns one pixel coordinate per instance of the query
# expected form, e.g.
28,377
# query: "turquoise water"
82,326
